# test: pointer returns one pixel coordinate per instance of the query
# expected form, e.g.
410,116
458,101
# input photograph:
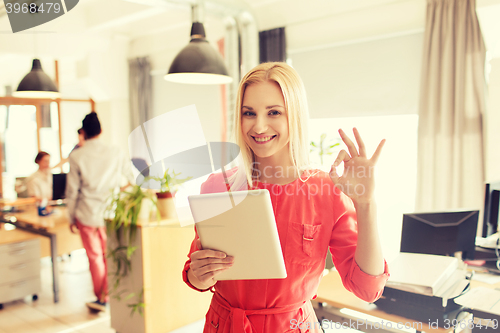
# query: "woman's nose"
260,125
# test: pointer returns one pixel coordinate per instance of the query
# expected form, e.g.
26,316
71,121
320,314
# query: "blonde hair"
295,98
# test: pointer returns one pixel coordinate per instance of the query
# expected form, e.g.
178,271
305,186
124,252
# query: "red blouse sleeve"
214,183
204,189
192,249
343,246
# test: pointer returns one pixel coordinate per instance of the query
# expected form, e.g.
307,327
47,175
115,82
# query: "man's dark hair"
91,125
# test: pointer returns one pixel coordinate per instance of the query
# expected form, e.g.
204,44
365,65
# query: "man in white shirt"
95,170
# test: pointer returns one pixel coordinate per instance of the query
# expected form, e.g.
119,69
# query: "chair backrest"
21,188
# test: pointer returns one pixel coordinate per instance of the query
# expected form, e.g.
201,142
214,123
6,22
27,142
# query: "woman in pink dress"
314,212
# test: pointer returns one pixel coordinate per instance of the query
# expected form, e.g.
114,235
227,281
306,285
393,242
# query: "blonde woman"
314,212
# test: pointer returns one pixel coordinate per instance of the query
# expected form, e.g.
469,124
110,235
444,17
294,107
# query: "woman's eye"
248,113
274,113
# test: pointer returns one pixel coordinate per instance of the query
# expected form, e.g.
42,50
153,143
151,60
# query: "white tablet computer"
242,225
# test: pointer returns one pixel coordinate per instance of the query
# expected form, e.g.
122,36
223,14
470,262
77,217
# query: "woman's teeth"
264,139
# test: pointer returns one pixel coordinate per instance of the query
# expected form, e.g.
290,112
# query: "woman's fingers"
207,273
350,145
211,277
202,254
377,152
205,264
343,156
211,267
362,148
361,144
209,261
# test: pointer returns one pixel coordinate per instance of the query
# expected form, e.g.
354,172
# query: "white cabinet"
19,270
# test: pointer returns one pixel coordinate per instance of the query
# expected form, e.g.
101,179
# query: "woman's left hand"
358,179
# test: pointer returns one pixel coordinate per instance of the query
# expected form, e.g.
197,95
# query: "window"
396,168
20,136
30,125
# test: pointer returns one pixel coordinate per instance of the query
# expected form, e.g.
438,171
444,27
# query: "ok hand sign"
358,179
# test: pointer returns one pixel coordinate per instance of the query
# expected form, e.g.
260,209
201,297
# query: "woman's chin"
266,153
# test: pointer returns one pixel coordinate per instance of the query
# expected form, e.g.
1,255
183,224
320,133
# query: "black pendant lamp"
198,62
37,84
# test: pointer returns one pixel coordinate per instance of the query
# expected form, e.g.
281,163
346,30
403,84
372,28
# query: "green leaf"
130,251
129,296
121,222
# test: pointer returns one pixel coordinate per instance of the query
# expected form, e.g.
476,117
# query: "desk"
332,292
54,227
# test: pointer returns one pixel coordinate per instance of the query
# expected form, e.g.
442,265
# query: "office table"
54,227
331,293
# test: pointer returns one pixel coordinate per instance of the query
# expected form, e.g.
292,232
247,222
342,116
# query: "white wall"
161,48
382,77
108,73
379,77
168,96
375,78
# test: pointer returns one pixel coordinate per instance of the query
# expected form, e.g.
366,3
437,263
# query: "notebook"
421,273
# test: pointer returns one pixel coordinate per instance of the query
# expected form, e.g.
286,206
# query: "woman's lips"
269,139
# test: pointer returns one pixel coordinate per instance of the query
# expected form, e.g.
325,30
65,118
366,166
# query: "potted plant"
140,257
169,183
122,214
322,147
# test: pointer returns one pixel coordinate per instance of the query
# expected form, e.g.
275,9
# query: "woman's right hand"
206,265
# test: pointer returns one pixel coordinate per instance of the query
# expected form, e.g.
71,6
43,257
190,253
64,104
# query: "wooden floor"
69,315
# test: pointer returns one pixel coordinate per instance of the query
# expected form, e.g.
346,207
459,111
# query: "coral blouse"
311,217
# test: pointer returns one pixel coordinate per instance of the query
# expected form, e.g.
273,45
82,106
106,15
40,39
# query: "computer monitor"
441,233
58,186
491,203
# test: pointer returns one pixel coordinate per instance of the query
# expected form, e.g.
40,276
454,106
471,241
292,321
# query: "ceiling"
162,26
310,24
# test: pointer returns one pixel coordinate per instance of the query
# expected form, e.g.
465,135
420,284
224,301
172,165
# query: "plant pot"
166,205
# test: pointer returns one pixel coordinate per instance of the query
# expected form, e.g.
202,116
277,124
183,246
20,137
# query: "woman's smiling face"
264,121
44,163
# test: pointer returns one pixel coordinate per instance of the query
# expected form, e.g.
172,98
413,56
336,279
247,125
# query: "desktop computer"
488,247
58,186
491,203
441,233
